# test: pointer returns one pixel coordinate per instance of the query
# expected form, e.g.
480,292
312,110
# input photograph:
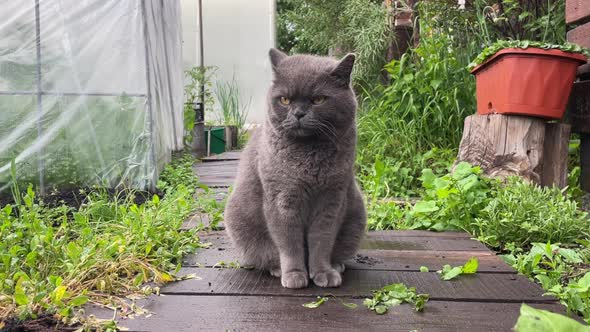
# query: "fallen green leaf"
315,304
537,320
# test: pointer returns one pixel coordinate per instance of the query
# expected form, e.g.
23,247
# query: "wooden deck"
222,299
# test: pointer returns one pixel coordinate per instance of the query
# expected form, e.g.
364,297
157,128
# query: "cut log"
555,154
504,145
509,145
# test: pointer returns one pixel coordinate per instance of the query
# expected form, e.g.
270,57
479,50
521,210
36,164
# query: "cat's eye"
318,100
285,100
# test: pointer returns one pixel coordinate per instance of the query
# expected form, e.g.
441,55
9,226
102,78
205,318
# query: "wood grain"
369,259
263,313
579,107
504,145
555,154
226,156
481,287
580,35
384,260
391,240
577,11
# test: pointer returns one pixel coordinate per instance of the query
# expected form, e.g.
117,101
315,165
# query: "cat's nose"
299,114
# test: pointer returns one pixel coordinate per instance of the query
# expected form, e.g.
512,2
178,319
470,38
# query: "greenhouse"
90,93
295,165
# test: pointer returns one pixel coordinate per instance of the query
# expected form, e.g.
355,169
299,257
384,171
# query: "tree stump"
507,145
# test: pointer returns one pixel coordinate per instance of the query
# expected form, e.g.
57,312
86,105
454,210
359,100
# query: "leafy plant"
522,213
562,271
538,20
451,201
575,295
489,51
233,112
198,88
538,320
393,295
450,273
53,260
310,26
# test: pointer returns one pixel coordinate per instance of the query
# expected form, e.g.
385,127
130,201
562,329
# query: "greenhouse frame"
95,94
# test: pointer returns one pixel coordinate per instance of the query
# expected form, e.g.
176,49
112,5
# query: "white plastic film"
90,91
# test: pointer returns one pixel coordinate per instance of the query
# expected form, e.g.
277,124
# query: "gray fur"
296,210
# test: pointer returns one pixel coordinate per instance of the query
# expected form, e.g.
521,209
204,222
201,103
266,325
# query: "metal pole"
198,147
202,58
152,185
172,109
39,100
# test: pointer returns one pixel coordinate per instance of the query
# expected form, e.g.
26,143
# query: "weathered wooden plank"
226,156
392,240
555,154
385,260
579,107
367,259
414,233
585,162
389,241
262,313
483,287
217,174
577,11
580,35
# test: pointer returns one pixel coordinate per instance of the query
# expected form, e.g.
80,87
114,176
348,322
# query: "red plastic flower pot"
532,81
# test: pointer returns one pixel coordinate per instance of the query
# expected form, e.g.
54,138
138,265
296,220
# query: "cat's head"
311,95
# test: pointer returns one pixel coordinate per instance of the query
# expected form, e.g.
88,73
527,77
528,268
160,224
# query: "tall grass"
429,95
233,111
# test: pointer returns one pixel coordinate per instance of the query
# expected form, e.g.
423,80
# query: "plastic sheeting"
90,91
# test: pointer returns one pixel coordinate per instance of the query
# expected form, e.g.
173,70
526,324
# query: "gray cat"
296,210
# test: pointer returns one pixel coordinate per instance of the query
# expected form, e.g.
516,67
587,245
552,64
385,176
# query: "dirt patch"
361,259
42,324
75,197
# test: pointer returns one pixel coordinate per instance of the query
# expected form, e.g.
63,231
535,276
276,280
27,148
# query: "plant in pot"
530,70
197,90
233,113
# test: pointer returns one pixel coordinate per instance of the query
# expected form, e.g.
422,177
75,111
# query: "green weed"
393,295
54,260
450,273
563,272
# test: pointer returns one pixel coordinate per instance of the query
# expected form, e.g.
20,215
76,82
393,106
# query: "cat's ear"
276,57
343,69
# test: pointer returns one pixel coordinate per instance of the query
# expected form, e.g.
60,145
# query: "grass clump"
497,213
521,213
54,260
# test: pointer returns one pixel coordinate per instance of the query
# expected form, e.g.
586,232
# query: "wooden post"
555,154
508,145
577,13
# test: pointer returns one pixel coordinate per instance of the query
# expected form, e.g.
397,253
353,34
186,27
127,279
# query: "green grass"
54,260
545,234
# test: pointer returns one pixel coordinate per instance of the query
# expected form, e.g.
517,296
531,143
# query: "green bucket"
217,135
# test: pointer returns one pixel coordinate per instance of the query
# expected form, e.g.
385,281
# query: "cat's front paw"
340,267
328,278
275,272
294,279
